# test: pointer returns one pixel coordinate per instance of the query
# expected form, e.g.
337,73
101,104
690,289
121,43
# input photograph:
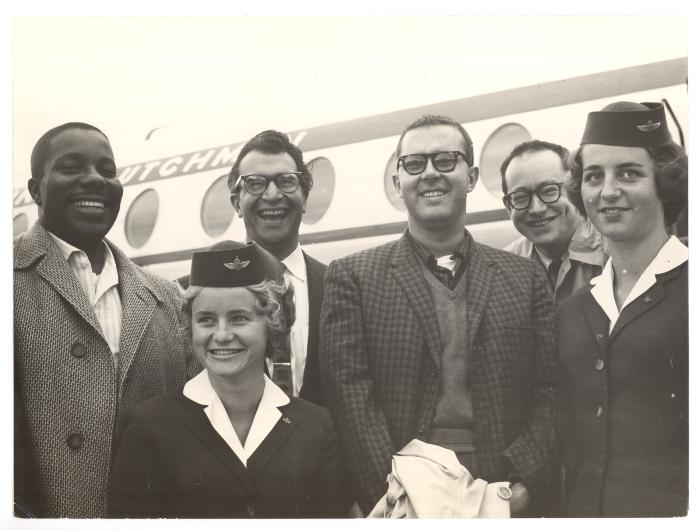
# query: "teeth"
612,210
93,204
430,194
224,352
272,212
541,222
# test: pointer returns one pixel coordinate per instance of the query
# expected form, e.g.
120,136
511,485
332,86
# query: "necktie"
553,271
282,362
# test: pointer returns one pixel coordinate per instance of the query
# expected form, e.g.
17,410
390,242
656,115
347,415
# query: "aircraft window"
20,224
496,148
141,218
389,189
217,212
322,191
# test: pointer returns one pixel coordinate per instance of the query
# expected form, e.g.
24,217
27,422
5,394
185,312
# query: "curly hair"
274,300
670,176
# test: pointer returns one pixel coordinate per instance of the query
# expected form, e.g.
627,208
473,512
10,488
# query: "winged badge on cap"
237,264
649,126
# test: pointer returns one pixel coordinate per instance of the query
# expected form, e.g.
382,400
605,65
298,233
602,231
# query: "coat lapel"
53,267
272,443
409,275
652,297
196,421
479,274
139,299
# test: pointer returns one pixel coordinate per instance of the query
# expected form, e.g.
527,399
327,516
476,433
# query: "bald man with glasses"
437,337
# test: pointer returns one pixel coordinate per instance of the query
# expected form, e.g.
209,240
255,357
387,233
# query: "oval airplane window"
496,148
321,193
20,224
141,218
217,212
389,189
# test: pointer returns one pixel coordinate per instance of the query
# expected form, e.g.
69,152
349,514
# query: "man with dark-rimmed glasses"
553,232
269,185
437,337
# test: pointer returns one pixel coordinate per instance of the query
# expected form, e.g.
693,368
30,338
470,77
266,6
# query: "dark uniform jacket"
382,358
68,397
625,435
172,463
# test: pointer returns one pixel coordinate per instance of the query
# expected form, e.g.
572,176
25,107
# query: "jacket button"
600,337
504,493
673,395
75,441
250,510
599,411
599,364
78,350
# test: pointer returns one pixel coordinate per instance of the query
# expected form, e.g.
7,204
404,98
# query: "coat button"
599,364
78,350
673,395
75,440
599,411
600,337
504,492
250,510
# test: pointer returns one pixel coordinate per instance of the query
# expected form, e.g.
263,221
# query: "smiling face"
549,226
618,190
79,195
229,334
272,218
433,198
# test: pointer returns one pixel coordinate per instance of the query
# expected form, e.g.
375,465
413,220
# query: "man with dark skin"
94,334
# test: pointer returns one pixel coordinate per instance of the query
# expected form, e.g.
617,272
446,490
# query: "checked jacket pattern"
381,362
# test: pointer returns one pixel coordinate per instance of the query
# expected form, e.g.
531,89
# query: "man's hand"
520,498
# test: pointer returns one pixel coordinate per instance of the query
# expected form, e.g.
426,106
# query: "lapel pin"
286,420
647,299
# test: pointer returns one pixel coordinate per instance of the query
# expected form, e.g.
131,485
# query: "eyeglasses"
444,161
257,184
521,199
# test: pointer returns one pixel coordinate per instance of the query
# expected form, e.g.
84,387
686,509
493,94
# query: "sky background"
212,80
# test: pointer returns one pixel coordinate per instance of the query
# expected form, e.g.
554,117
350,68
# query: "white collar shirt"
671,255
199,390
101,290
295,275
585,247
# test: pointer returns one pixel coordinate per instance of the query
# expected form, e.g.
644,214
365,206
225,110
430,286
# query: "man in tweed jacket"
86,350
439,338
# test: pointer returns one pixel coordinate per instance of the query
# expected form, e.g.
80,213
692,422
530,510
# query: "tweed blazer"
382,358
625,434
172,463
68,397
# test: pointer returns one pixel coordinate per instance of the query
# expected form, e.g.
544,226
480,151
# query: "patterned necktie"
282,363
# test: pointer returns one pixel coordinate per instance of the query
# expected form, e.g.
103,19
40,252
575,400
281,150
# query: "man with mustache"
269,185
554,234
94,334
437,337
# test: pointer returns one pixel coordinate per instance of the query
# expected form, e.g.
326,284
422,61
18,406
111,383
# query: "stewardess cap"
233,264
627,124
